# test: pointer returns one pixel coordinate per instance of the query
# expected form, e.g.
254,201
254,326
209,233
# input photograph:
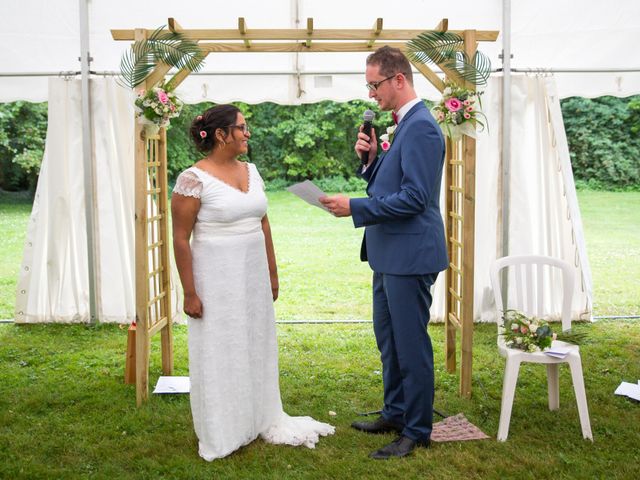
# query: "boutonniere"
387,138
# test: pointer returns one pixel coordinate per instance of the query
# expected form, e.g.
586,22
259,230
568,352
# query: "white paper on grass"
631,390
173,385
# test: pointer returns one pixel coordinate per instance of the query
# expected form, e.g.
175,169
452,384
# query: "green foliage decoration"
161,46
446,49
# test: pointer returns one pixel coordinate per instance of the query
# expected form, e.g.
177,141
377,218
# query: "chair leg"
554,386
508,391
581,397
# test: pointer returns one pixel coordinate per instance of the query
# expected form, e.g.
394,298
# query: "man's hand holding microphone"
366,148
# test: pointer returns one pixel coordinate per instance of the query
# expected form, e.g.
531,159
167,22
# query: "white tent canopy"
548,35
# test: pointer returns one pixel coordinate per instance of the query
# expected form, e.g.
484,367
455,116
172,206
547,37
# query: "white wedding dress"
233,354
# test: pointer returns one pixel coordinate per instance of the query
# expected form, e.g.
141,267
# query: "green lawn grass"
612,230
14,216
65,412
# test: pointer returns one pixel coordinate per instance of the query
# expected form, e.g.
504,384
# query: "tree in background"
23,130
291,143
603,140
288,143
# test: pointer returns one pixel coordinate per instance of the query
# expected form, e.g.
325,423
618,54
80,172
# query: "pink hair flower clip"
203,134
199,117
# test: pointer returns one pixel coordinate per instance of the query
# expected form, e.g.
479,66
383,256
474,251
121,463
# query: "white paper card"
309,192
173,385
630,390
558,352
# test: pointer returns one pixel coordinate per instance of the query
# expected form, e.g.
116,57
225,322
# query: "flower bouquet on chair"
533,334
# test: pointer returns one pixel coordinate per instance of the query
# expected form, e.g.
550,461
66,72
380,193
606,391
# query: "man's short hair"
391,60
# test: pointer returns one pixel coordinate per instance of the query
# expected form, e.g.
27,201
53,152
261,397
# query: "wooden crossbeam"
377,30
443,26
429,74
297,47
303,34
174,26
242,28
309,31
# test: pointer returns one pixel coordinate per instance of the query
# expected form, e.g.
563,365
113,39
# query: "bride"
230,281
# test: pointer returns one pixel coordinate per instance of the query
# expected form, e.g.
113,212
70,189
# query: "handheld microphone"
368,117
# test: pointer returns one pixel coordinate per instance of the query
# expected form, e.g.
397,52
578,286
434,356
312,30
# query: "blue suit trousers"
400,317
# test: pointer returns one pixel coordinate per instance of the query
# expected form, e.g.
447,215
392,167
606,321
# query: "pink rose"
523,329
385,146
440,116
469,109
466,103
163,97
467,115
453,104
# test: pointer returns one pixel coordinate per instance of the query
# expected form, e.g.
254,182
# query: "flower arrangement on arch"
458,112
157,106
533,334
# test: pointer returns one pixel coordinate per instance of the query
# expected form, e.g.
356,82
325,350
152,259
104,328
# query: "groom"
404,244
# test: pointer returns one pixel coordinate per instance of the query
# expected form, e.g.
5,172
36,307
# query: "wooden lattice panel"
460,172
153,307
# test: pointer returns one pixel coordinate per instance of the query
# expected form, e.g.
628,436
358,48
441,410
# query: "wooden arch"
153,309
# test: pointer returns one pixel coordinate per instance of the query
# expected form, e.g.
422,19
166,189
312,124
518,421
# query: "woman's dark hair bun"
204,126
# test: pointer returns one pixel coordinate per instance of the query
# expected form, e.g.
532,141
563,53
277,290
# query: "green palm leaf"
179,52
171,48
446,49
434,47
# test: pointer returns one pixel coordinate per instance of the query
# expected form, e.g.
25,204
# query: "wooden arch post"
153,309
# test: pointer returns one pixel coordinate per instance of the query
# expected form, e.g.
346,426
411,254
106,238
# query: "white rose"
384,137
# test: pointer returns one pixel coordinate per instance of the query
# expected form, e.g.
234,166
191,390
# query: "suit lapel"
413,110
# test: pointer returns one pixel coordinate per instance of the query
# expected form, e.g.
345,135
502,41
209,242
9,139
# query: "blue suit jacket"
404,232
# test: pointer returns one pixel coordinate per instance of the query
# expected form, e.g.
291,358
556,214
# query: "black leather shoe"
400,447
381,425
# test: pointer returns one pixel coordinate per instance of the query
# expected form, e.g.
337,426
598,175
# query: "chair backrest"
535,278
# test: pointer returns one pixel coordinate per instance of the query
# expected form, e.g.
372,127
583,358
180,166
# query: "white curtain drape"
544,214
53,284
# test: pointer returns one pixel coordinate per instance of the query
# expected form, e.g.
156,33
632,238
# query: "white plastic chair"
528,274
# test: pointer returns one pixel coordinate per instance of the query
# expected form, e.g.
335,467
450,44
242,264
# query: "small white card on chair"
631,390
558,352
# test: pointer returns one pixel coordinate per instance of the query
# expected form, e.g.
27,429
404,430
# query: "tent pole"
506,132
87,154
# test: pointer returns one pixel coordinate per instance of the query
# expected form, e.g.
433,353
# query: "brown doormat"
455,429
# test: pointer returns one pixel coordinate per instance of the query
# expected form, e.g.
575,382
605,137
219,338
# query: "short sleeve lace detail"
188,184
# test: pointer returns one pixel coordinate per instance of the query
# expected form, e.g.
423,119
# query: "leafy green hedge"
291,143
287,143
603,141
23,129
